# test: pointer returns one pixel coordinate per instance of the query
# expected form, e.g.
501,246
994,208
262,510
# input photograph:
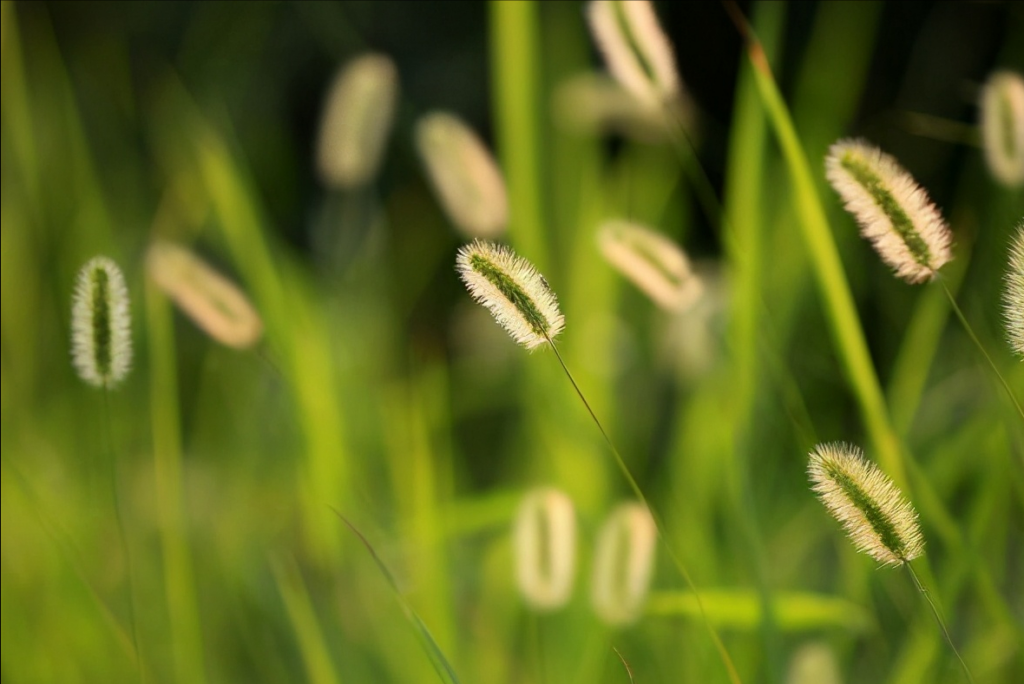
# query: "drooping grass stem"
974,338
115,495
676,560
938,619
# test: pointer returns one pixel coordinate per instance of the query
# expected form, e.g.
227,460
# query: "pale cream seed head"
101,343
512,290
545,548
1013,296
463,174
356,121
652,262
624,564
893,211
635,49
871,508
1002,126
215,304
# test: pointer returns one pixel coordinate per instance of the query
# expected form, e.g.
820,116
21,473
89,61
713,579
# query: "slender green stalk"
676,560
981,348
123,537
831,277
938,618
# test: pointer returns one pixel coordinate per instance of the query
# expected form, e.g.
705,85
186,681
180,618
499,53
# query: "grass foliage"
335,504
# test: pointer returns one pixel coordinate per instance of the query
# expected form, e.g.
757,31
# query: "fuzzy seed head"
545,548
1013,297
636,50
624,564
652,262
356,121
893,211
879,520
512,289
213,302
1002,127
101,342
464,175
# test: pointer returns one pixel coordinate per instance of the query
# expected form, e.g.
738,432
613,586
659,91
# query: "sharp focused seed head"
101,343
356,121
510,287
652,262
545,545
214,303
893,211
636,50
464,175
1002,126
879,520
1013,297
624,564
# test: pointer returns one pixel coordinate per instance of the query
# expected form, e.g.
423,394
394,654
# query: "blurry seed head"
1013,297
813,663
624,564
101,342
512,290
635,49
356,121
464,175
596,104
215,304
893,211
879,520
652,262
545,548
1002,126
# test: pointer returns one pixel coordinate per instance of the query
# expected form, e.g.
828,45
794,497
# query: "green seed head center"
512,292
101,320
901,223
880,523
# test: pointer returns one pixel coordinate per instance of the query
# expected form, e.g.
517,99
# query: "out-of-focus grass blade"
741,609
437,659
300,611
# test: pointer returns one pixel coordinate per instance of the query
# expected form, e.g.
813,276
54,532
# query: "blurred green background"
382,391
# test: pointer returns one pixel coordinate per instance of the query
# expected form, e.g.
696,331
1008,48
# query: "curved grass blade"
437,659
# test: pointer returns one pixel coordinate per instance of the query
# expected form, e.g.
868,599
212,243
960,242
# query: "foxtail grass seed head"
893,211
101,342
464,175
512,289
652,262
356,121
545,548
1013,297
635,49
624,564
213,302
1002,127
879,520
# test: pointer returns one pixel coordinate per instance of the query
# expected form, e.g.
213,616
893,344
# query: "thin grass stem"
122,536
676,560
981,348
938,619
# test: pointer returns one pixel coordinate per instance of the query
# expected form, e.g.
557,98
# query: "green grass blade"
437,658
315,655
